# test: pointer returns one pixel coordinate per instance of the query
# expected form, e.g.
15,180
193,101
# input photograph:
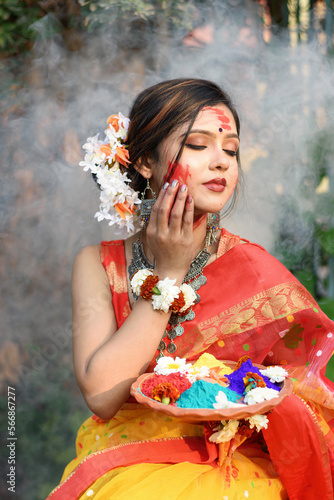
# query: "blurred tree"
16,18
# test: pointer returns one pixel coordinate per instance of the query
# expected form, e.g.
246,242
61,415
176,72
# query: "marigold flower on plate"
240,361
177,380
165,393
253,380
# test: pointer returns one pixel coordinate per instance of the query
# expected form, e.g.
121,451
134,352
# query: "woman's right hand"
169,234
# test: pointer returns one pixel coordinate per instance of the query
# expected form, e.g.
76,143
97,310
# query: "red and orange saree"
250,305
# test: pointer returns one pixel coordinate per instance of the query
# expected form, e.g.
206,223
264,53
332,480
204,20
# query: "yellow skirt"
248,473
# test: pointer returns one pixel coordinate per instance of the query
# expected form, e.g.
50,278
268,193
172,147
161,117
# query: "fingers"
173,210
155,209
162,207
177,213
188,217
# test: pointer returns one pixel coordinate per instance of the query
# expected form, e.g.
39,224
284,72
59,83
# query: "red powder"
177,171
224,120
181,383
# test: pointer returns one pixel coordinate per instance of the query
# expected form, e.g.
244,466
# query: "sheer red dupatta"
250,305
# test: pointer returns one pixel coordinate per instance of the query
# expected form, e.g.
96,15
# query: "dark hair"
159,109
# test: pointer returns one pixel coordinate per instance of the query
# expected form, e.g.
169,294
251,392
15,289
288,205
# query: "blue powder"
203,394
236,378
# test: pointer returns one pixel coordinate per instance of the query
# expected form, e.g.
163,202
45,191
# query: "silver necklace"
194,277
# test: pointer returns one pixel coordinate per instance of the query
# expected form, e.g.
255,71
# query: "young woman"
183,142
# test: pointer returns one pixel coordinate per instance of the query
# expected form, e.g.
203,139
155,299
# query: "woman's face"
208,164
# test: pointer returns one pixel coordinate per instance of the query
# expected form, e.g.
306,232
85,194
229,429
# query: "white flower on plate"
260,394
167,365
189,296
225,434
138,279
168,292
258,421
197,373
223,402
275,373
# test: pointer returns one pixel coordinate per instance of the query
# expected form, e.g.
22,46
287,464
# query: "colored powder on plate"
210,361
237,382
203,394
177,380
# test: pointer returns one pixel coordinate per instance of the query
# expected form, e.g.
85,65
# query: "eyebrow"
210,134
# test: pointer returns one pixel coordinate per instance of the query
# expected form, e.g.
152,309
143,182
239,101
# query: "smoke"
284,96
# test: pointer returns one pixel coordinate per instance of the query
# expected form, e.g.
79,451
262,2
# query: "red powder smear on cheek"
177,171
224,120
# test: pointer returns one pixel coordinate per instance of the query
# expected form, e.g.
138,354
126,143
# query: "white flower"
260,394
124,122
223,402
138,279
167,365
198,373
275,373
258,421
115,188
228,432
189,296
168,293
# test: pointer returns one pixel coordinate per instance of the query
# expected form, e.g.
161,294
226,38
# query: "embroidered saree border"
164,450
260,309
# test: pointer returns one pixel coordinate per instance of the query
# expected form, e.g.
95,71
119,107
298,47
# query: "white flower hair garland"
104,159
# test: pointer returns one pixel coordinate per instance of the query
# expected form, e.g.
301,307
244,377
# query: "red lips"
217,184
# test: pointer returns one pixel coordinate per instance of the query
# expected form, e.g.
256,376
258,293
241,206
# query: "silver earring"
212,228
146,205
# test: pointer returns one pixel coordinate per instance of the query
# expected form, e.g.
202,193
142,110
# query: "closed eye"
230,152
195,146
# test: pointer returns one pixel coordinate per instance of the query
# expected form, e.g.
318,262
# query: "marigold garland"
178,303
147,288
165,295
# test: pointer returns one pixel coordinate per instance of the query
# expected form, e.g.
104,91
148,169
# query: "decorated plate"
210,414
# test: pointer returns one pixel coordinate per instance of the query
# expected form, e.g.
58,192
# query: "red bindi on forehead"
223,119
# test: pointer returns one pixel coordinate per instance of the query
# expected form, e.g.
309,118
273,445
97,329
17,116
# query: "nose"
220,160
